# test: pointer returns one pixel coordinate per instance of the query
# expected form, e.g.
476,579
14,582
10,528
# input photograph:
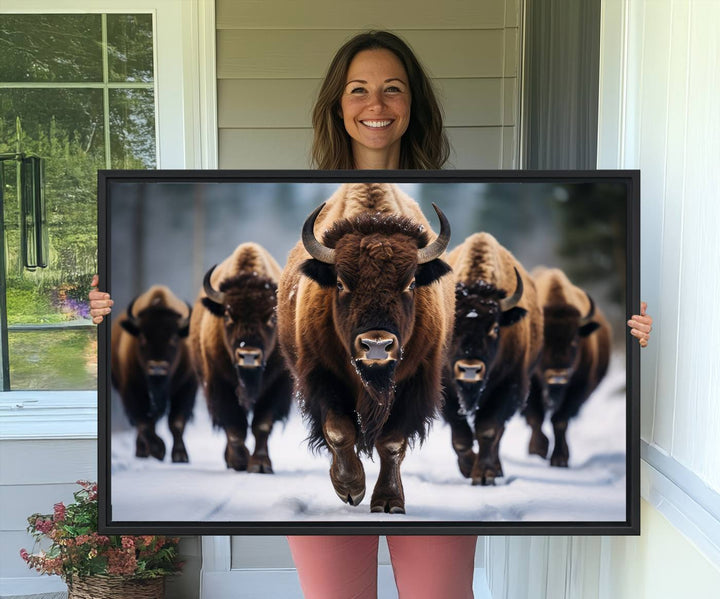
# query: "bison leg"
260,460
148,443
561,452
346,471
272,406
181,407
535,415
461,433
487,464
237,455
388,495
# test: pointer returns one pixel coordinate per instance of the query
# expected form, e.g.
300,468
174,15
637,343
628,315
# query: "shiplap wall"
272,56
658,111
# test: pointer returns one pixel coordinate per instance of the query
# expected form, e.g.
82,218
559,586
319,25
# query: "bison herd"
376,331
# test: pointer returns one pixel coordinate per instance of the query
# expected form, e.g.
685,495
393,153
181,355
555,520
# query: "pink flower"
128,543
44,526
59,509
24,554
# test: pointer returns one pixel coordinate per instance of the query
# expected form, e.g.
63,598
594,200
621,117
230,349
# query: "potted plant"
93,565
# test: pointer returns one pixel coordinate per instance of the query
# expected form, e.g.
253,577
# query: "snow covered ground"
593,488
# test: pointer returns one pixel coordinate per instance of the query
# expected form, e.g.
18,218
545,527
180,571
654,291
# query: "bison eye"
411,286
340,286
271,321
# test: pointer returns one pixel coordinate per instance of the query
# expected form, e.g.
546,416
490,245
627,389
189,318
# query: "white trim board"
48,415
680,495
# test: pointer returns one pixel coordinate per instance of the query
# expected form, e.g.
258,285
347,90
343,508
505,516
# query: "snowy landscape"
592,489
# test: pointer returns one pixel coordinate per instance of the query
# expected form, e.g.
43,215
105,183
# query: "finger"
95,281
643,343
643,308
98,303
634,324
98,295
639,334
97,319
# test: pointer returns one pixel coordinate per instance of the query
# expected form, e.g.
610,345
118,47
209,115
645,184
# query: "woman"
377,110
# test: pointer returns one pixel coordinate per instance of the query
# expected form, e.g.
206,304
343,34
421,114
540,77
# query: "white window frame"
186,136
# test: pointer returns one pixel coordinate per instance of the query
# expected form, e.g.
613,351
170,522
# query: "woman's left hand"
641,325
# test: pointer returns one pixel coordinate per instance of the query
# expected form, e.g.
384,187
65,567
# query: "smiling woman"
377,109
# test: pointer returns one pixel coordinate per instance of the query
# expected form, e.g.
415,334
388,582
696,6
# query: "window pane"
132,128
65,127
130,47
50,48
53,359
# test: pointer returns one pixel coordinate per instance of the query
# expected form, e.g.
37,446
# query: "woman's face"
375,103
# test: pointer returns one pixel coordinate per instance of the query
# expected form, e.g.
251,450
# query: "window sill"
683,498
48,415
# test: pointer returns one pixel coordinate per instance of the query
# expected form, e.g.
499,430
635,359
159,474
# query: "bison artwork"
233,344
496,344
150,368
365,317
574,360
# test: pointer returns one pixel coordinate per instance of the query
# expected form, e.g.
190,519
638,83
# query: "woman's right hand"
100,302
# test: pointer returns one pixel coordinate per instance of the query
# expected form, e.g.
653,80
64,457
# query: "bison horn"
589,316
130,315
216,296
510,302
316,249
437,247
185,321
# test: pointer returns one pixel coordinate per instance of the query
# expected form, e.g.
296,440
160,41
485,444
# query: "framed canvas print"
369,352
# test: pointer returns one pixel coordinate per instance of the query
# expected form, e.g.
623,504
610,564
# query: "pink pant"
434,567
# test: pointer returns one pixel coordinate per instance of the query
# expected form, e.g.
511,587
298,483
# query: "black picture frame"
629,180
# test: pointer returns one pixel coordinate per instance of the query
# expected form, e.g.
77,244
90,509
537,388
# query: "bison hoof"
261,465
348,496
465,462
393,505
237,457
484,475
559,460
539,445
180,456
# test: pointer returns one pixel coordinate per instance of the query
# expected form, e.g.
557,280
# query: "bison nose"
249,357
376,346
158,367
471,371
557,376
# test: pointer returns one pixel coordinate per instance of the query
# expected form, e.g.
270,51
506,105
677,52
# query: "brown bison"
574,360
496,344
233,344
365,318
150,368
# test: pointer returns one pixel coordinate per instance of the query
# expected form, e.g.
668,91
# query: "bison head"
564,329
247,305
374,266
481,312
159,331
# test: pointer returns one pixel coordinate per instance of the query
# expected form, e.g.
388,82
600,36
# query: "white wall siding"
271,60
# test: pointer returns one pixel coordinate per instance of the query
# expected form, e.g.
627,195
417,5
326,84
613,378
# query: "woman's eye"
393,89
357,90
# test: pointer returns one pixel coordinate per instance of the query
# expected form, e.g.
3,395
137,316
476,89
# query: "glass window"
77,91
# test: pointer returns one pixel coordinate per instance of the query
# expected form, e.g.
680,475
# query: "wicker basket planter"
116,587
